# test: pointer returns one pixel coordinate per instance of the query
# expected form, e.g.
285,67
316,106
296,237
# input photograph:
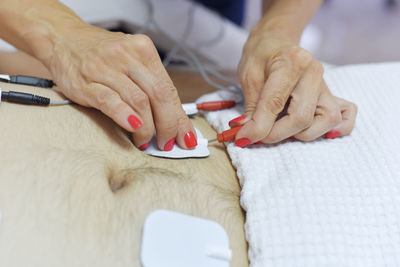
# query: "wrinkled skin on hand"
121,75
274,71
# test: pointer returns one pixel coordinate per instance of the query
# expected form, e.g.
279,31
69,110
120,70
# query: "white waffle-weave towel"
328,202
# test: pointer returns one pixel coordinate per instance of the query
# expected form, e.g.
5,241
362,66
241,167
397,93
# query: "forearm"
33,25
289,17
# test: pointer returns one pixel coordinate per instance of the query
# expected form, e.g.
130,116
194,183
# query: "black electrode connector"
25,98
32,81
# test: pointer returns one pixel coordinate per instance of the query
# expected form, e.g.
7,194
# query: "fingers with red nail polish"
190,140
348,112
144,146
332,134
169,145
186,136
237,121
242,142
134,122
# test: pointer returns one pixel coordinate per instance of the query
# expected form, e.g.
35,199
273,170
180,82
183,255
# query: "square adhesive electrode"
174,239
200,151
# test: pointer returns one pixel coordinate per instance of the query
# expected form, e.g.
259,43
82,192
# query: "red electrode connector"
228,135
215,105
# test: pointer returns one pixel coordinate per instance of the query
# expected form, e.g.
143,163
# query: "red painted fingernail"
169,145
332,134
235,122
144,146
292,137
190,140
242,142
134,122
259,142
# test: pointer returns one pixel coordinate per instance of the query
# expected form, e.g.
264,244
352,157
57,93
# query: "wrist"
281,26
35,26
50,39
288,18
49,32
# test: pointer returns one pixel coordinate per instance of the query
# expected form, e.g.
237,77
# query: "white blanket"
328,202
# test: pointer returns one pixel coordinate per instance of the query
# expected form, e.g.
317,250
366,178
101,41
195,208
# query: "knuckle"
317,67
163,91
277,62
301,121
140,100
304,118
275,104
250,107
143,42
333,115
300,57
102,97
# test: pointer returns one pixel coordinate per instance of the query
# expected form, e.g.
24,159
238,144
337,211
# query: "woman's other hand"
119,74
333,117
275,69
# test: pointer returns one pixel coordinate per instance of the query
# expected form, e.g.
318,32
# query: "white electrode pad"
174,239
190,109
200,151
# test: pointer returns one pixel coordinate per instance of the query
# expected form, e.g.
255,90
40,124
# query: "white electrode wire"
191,57
218,37
189,25
197,64
188,29
202,70
150,17
60,102
211,72
150,14
173,53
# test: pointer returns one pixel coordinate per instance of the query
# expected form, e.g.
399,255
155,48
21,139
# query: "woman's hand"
333,116
121,75
274,70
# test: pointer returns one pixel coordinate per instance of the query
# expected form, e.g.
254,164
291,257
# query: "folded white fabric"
328,202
